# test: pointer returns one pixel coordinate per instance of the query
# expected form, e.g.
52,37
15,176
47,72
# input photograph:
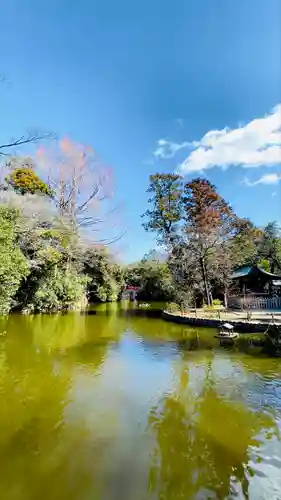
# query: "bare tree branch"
30,138
81,185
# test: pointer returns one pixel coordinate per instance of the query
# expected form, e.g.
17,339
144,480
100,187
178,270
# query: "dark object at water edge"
273,334
226,333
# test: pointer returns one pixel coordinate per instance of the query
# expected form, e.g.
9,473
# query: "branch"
31,138
109,242
93,195
90,220
87,221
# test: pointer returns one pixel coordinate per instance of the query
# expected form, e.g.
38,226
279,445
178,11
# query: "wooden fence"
254,302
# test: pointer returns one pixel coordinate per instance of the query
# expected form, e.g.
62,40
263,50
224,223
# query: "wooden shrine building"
253,287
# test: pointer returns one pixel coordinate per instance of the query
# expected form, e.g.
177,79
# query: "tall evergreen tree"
165,210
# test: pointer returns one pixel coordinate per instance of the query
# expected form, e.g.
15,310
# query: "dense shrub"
217,302
58,290
13,264
105,277
42,237
172,307
153,279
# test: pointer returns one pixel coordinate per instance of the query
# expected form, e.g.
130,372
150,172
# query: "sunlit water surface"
115,406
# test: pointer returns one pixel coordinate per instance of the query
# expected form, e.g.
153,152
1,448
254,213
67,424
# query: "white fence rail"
254,302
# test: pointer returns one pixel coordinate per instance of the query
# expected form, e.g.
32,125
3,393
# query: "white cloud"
257,143
168,149
264,179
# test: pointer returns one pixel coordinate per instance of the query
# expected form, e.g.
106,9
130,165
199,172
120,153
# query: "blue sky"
122,76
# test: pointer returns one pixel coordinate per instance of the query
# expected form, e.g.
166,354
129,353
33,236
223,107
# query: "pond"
118,406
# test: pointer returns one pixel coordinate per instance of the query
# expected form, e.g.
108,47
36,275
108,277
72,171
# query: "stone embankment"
255,323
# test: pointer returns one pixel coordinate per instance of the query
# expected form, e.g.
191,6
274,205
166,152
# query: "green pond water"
117,406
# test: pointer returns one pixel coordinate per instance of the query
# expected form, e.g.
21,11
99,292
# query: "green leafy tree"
55,281
58,289
270,246
243,246
264,264
186,274
165,209
152,278
239,249
13,265
105,276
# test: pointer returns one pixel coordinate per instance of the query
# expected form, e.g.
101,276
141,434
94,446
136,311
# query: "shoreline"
241,326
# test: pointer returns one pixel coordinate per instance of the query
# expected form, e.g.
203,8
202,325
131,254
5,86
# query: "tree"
52,283
186,273
13,265
155,256
105,276
239,249
191,221
243,246
270,246
23,178
209,220
58,203
152,278
204,239
54,278
166,209
82,186
55,290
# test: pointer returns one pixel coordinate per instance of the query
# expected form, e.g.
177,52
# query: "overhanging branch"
31,138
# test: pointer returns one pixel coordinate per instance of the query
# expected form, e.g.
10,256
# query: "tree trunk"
61,194
204,276
225,298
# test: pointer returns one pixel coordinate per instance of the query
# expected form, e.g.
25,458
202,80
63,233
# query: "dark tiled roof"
245,271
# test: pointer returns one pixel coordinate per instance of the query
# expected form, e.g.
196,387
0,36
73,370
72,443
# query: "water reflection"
203,440
109,406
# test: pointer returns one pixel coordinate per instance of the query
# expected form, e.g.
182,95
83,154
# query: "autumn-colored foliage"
204,237
24,180
205,210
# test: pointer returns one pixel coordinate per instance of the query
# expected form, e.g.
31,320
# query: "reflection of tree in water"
187,338
202,442
31,417
42,453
